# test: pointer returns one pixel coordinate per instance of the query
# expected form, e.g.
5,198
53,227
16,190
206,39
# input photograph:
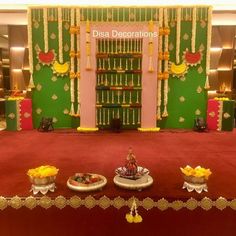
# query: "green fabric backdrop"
190,89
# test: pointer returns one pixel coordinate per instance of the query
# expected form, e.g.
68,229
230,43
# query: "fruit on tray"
84,179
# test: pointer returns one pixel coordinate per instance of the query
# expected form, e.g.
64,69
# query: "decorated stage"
165,207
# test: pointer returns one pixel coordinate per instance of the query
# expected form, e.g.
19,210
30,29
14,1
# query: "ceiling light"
18,48
16,70
212,91
215,49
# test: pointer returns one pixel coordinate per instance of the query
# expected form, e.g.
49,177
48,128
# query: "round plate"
141,170
89,187
133,184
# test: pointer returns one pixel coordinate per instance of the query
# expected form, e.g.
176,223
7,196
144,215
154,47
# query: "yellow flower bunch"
15,98
80,129
149,129
221,99
43,171
133,219
196,172
133,216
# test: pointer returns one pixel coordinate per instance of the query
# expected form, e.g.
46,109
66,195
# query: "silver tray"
88,187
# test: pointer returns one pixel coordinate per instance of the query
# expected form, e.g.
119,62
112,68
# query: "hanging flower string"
78,60
46,57
133,216
60,68
60,38
45,29
31,62
209,28
178,69
166,62
160,75
193,40
72,62
178,33
88,46
150,45
193,58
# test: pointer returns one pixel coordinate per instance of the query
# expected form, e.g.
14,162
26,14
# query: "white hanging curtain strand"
78,60
60,38
72,62
45,29
31,63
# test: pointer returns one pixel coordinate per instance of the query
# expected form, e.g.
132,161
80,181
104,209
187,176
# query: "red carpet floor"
162,153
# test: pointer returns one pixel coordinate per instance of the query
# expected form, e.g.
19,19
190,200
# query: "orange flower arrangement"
166,55
74,30
161,31
160,56
72,75
166,31
160,76
165,75
78,75
72,54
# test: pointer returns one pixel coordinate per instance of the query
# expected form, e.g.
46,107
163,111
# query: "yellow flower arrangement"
133,216
43,171
157,129
80,129
15,98
196,172
221,99
129,217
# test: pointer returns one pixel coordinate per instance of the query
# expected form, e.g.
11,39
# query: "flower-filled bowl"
42,175
197,175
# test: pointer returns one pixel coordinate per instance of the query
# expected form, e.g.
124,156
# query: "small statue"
131,164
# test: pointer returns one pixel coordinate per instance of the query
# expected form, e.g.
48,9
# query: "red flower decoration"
46,58
192,58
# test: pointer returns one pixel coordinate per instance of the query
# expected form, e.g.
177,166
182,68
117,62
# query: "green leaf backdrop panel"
44,105
51,100
187,97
